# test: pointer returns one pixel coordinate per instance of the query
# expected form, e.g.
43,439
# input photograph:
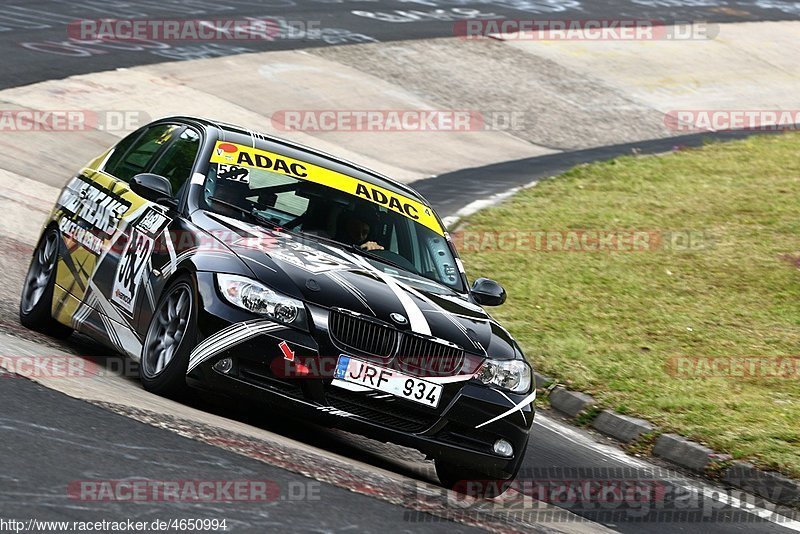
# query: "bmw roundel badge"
398,318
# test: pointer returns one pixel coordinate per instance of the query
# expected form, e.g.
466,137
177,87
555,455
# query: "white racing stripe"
416,318
447,315
524,419
110,330
147,286
224,339
80,316
172,263
214,338
264,265
448,379
228,337
350,288
408,304
527,400
253,231
126,338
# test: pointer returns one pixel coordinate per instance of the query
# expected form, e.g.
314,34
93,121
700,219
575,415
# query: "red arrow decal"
288,354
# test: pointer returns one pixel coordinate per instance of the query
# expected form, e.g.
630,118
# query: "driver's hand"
371,245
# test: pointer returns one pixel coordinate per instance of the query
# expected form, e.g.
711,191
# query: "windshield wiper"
356,248
350,246
378,257
264,220
230,205
252,213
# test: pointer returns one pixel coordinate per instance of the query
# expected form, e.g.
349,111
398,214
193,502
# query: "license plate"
387,380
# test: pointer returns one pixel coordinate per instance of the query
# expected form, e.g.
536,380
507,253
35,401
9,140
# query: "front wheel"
170,339
36,301
469,481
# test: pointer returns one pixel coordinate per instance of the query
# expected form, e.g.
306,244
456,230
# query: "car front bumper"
462,430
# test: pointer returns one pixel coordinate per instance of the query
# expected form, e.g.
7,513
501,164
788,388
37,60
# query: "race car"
222,259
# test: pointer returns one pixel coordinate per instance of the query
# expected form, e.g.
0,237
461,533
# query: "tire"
36,301
170,338
469,481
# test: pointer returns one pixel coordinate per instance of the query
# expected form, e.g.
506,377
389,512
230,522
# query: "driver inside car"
357,230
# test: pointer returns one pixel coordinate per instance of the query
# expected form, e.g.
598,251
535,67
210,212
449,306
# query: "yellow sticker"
231,153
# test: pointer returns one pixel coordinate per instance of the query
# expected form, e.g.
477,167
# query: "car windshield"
395,242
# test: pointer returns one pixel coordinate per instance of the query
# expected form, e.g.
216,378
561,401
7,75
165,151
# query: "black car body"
214,256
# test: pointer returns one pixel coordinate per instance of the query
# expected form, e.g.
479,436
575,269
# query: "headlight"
513,375
258,298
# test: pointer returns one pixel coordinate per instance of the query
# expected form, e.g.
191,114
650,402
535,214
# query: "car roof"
244,136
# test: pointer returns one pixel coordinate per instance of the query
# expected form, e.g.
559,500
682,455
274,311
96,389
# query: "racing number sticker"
130,269
234,173
152,222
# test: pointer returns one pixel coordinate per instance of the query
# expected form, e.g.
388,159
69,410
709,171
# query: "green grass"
608,322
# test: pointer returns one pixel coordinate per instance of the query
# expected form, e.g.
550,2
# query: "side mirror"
152,187
488,292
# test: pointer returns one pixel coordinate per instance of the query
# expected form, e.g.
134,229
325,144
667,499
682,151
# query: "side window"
121,149
128,163
176,162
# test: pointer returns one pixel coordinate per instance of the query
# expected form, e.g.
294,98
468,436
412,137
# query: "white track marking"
574,437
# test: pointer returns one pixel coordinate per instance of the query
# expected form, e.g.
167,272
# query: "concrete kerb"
673,448
683,452
621,427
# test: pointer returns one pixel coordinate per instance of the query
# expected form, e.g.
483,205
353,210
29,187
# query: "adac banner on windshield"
254,158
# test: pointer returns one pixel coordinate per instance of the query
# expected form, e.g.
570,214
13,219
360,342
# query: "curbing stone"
620,426
677,449
683,452
541,380
570,402
772,486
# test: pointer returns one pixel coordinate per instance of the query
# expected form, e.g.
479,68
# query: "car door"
113,290
177,164
90,213
129,288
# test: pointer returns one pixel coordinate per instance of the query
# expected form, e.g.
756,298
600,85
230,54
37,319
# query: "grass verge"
639,329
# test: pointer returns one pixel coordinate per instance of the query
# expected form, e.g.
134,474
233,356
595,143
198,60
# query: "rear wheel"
36,301
469,481
170,338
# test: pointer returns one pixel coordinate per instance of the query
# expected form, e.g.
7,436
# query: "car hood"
334,277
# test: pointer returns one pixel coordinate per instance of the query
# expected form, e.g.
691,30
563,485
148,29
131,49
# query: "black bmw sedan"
227,260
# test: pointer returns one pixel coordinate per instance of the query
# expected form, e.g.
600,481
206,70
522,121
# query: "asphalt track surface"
453,191
41,428
36,473
35,44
